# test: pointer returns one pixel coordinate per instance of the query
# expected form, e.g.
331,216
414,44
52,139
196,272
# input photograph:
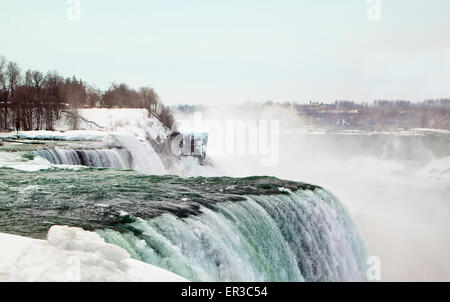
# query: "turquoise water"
204,229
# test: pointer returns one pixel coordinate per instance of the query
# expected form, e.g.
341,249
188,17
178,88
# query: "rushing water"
132,154
104,158
205,229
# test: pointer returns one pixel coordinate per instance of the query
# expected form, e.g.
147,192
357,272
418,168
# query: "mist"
395,185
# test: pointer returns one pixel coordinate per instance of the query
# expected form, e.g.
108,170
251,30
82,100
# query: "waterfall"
203,229
134,154
145,159
118,158
302,236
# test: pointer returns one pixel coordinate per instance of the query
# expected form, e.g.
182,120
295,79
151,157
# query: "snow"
16,161
129,128
56,135
73,255
284,190
134,121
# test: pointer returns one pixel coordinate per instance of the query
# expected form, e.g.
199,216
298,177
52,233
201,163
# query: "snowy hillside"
134,121
72,254
96,123
131,129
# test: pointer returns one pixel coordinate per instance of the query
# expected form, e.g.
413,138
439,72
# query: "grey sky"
216,51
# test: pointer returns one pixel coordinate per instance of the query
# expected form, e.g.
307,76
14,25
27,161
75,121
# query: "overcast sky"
216,51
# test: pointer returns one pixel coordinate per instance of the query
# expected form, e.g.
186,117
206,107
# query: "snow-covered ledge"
71,255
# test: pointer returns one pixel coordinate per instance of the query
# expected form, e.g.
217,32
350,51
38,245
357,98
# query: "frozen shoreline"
134,121
386,196
73,255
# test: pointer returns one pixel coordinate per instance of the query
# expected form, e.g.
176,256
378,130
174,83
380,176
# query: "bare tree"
33,101
150,98
37,85
38,79
13,76
94,97
54,98
166,117
73,118
3,63
3,95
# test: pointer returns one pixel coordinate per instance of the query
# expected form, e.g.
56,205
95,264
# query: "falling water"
104,158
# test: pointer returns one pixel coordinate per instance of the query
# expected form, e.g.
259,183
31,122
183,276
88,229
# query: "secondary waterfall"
133,154
118,158
302,236
145,159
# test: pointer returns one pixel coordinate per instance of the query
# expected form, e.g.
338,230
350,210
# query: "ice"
72,255
15,160
134,121
79,135
145,159
76,239
284,190
128,128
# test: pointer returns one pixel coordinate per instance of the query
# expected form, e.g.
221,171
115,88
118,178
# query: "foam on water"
105,158
303,236
145,159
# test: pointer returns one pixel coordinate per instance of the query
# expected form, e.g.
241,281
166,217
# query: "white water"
303,236
397,191
145,159
400,206
128,128
103,158
133,153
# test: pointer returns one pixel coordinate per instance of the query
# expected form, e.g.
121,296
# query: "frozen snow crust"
73,255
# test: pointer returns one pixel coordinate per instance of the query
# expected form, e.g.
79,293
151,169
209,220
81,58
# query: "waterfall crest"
133,154
145,159
118,158
302,236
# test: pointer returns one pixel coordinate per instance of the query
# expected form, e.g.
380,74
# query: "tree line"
32,100
380,114
377,115
385,114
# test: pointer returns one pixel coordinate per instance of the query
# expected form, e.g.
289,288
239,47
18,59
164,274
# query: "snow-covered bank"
15,160
72,255
95,123
134,121
131,129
